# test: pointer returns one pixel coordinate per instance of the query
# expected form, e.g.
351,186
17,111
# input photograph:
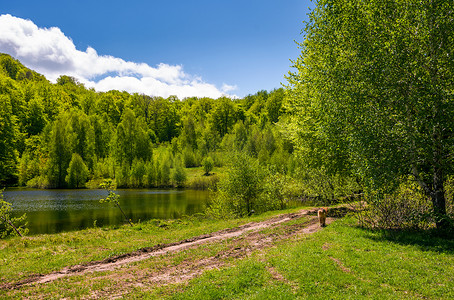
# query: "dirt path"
248,234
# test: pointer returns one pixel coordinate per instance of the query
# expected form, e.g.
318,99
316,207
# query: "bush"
406,208
326,189
189,158
208,165
240,190
10,225
40,182
275,192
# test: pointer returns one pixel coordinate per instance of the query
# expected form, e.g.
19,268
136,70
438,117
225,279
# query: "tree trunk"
124,215
438,199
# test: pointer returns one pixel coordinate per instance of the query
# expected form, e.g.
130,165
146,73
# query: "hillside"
63,135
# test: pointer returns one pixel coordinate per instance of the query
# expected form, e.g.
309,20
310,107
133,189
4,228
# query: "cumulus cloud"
50,52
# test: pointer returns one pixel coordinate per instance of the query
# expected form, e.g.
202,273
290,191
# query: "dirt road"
241,241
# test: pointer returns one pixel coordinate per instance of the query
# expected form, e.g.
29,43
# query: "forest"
63,135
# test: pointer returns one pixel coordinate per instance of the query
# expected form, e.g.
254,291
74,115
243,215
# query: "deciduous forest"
366,114
63,134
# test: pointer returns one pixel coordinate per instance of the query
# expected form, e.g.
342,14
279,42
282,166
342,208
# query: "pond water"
51,211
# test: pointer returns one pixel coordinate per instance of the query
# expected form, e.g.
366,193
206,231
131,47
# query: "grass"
22,257
341,261
196,178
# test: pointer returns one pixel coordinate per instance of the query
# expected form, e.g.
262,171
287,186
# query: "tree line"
62,135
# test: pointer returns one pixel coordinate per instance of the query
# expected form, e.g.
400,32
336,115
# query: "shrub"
405,208
10,225
208,165
189,158
275,194
240,190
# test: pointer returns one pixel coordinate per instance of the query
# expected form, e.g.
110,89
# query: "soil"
241,242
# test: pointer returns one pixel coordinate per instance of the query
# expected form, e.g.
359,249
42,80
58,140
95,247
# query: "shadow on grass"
428,240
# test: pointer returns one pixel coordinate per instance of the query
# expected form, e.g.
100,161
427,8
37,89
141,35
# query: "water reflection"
50,211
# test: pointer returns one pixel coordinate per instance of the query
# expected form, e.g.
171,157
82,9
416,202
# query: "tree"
179,173
163,118
59,152
372,93
113,197
81,136
274,104
242,186
223,116
77,172
35,119
207,164
8,136
132,139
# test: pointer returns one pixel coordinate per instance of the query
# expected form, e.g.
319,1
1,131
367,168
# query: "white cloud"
51,53
228,88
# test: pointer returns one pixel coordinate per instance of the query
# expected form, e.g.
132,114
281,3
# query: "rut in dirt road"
115,262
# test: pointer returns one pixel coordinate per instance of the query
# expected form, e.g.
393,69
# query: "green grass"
40,254
341,261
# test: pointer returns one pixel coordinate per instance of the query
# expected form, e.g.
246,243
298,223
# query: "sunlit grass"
341,261
40,254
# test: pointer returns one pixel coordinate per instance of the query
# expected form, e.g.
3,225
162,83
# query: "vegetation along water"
365,118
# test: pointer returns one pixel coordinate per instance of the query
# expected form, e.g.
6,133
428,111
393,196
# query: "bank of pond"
53,211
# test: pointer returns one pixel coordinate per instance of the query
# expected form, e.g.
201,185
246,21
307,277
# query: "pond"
52,211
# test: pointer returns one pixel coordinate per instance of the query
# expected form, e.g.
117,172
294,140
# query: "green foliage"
240,191
189,158
77,172
208,165
137,174
59,152
224,115
8,138
164,170
131,139
371,94
275,191
10,225
406,208
179,174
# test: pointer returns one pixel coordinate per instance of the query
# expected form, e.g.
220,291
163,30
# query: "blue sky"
200,47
